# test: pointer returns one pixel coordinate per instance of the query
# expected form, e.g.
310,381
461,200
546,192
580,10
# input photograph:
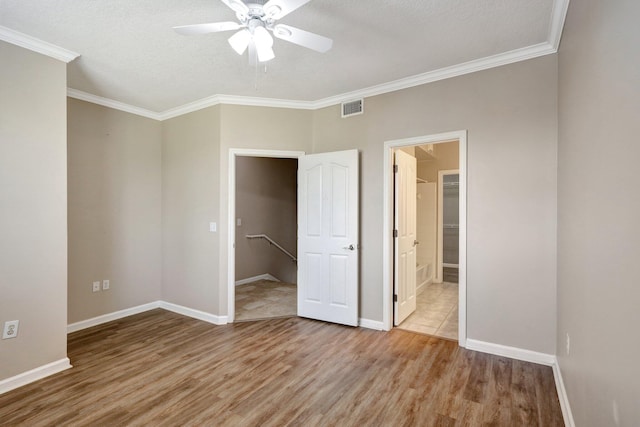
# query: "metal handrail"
272,242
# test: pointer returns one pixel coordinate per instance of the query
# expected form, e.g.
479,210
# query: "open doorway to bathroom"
437,226
426,277
265,237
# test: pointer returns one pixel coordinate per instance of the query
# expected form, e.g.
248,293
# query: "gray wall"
599,208
114,169
510,113
190,201
33,208
266,193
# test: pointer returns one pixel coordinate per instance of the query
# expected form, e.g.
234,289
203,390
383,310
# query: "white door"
405,236
328,237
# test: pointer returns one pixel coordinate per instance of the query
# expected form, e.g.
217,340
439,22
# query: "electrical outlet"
10,329
96,286
105,284
568,344
239,222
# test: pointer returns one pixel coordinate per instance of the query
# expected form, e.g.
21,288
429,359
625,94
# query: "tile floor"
436,311
265,299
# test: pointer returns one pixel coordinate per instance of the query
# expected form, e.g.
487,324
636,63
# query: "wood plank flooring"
162,369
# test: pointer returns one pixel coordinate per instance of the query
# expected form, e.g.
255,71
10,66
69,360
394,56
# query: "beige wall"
190,201
33,208
598,232
447,157
114,167
510,113
266,193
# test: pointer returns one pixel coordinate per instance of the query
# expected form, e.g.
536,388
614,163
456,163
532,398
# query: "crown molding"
510,57
116,105
558,16
20,39
417,80
234,100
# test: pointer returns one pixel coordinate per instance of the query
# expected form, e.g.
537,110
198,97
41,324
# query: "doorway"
428,274
265,236
327,233
262,251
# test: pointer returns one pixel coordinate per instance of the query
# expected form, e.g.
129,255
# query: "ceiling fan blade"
276,9
302,38
237,6
213,27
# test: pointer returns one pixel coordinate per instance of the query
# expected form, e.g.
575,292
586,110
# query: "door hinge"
395,233
395,298
395,168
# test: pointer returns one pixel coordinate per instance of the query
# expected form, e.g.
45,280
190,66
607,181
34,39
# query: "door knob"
415,243
350,247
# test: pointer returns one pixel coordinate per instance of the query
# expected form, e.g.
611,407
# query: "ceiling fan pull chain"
255,84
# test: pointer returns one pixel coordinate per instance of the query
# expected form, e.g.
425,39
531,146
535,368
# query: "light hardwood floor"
162,369
436,311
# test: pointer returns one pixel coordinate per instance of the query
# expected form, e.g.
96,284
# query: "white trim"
371,324
387,226
558,16
513,56
116,105
488,62
36,45
562,395
211,101
95,321
231,223
34,375
511,352
265,276
193,313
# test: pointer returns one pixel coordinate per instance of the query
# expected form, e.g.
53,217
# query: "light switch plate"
213,227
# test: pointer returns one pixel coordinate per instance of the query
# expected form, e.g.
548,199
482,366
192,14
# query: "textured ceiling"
130,54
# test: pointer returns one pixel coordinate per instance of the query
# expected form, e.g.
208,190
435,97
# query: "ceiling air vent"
352,108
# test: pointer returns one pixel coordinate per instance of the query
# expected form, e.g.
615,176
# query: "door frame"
387,225
231,241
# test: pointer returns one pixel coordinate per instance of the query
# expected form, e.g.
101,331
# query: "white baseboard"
265,276
111,316
196,314
34,375
562,395
370,324
512,352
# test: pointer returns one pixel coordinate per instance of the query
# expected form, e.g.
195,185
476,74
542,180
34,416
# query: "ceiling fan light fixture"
264,44
239,41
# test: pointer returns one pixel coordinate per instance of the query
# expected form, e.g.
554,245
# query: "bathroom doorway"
438,280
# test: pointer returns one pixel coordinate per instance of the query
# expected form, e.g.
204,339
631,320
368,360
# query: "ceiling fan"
258,18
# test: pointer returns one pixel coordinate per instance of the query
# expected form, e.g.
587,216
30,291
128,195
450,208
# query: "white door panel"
406,240
328,228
